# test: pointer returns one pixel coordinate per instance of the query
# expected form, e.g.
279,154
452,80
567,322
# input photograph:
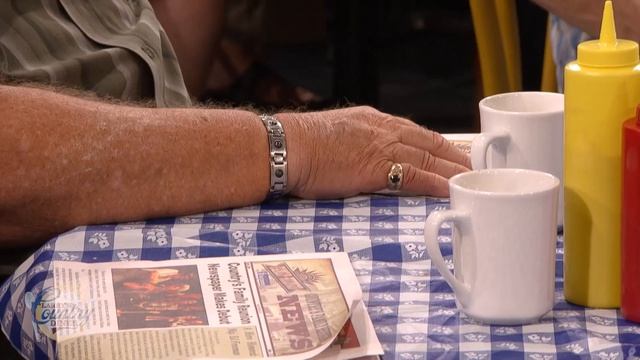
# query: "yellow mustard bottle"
602,90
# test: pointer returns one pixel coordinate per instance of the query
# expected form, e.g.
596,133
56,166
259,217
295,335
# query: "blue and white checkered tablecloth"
412,308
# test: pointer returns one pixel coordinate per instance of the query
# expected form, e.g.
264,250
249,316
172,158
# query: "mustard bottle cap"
608,51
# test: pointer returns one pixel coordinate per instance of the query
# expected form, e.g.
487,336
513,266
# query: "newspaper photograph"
277,306
158,297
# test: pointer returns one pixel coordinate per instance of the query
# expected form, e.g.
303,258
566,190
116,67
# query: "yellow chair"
549,81
495,25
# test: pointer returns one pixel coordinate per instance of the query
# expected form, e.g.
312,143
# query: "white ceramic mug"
503,243
521,130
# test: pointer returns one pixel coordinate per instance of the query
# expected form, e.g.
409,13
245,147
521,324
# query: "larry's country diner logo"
51,314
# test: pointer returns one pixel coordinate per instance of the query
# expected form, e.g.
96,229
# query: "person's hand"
344,152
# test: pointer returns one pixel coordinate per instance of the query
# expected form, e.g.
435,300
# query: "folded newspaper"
295,306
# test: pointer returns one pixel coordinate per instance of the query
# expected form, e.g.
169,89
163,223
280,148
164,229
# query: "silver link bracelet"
277,155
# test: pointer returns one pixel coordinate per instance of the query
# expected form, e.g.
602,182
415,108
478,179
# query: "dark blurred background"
411,58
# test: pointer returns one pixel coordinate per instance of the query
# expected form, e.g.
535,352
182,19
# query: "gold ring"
394,178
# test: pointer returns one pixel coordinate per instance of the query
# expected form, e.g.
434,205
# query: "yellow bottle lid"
608,51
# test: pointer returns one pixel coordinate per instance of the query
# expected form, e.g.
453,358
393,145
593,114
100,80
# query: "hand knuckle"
439,143
410,176
428,161
380,166
368,109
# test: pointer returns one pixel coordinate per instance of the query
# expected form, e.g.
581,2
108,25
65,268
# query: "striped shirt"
115,48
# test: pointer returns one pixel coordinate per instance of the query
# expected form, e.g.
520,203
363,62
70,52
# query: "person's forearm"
194,28
587,15
67,161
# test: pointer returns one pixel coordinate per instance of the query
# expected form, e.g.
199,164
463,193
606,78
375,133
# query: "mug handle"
431,229
480,145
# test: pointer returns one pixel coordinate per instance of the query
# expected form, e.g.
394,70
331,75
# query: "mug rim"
483,103
454,183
